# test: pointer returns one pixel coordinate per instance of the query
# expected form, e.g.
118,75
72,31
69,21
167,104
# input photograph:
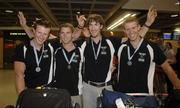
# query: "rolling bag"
109,100
173,100
44,98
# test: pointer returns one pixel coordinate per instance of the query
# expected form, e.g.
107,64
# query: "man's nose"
131,31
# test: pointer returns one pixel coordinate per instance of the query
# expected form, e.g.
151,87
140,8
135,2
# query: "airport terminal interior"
165,28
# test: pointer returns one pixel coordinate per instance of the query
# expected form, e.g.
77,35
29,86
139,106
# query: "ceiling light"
121,19
177,3
9,11
112,27
174,15
111,33
118,22
133,15
177,30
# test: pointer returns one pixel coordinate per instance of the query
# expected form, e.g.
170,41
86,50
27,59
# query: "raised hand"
81,20
22,19
151,16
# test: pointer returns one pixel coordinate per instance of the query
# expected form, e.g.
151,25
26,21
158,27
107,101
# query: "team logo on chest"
142,57
45,54
75,59
103,50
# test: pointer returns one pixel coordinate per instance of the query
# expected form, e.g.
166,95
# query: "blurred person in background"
171,58
170,54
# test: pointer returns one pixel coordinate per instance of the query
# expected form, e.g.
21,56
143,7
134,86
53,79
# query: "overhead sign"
15,35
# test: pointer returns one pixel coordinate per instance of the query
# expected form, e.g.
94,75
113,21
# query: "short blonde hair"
131,19
68,25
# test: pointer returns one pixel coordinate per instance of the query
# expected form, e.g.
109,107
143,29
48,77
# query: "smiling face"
66,35
41,34
132,29
95,23
95,29
66,32
41,30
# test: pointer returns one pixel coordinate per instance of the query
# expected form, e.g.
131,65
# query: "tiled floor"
8,94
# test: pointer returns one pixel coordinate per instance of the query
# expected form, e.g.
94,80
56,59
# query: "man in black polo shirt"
137,58
68,64
98,52
33,60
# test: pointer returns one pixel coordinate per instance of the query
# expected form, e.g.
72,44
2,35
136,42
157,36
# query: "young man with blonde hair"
68,64
136,62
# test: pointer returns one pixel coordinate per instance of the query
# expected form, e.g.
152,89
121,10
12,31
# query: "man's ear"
139,27
101,26
33,30
124,30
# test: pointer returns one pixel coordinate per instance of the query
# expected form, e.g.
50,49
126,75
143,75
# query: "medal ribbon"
38,60
128,50
96,54
68,61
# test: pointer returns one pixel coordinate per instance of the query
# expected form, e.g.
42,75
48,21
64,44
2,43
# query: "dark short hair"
41,22
95,17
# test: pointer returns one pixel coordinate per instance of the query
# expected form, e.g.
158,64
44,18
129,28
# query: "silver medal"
129,63
69,66
38,60
98,50
38,69
68,61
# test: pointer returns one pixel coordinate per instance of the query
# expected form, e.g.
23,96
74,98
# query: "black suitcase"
173,100
44,98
